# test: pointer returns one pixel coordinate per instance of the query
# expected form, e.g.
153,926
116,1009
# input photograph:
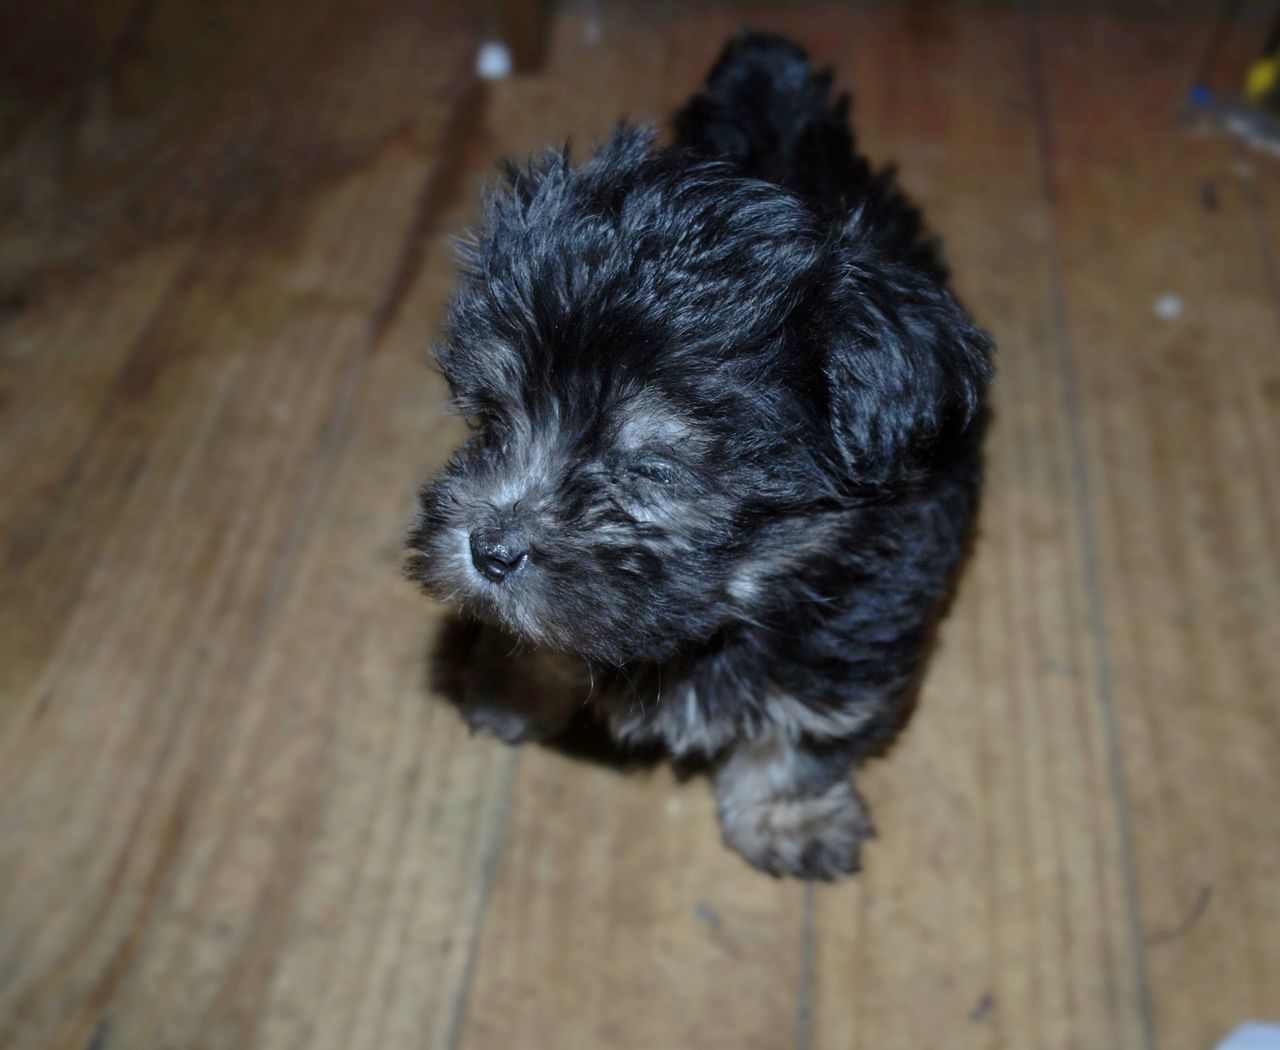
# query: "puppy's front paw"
812,836
511,692
507,725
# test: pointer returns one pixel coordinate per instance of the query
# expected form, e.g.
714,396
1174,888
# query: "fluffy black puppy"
726,452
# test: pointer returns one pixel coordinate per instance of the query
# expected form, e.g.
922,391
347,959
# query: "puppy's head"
643,347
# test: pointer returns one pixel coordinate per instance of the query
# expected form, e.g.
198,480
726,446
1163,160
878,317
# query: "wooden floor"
231,814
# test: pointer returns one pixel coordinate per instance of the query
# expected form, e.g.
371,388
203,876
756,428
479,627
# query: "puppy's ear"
906,369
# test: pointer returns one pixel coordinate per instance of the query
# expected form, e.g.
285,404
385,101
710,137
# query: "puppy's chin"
550,628
600,647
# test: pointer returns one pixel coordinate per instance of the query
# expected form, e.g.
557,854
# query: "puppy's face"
607,525
642,442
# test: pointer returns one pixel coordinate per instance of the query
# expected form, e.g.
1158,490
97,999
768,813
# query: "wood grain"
1180,426
146,120
997,895
60,361
194,758
231,812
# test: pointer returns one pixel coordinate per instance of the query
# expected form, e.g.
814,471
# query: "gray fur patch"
780,810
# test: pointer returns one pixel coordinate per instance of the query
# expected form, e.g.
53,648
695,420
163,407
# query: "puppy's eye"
654,470
485,434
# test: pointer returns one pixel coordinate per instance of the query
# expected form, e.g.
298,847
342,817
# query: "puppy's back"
768,111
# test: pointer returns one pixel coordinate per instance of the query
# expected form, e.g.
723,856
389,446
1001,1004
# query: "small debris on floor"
707,914
493,61
1168,307
1253,1035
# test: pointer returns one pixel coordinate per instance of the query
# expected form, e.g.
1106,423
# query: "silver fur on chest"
680,722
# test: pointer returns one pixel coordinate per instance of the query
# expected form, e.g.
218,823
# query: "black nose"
495,556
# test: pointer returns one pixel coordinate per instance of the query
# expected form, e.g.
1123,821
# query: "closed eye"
487,433
658,471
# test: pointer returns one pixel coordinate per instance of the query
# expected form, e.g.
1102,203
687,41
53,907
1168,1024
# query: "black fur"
728,412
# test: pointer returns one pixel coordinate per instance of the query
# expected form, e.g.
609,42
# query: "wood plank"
1182,438
119,732
143,120
993,907
331,895
59,357
287,103
166,765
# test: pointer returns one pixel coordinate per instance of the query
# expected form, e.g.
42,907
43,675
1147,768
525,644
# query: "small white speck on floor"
1253,1035
1168,307
493,60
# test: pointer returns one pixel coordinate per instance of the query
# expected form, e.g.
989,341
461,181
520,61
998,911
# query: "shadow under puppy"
726,451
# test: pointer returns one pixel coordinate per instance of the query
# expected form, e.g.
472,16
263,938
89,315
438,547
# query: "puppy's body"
727,453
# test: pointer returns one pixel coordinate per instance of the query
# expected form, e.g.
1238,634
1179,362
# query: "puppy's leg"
790,808
515,693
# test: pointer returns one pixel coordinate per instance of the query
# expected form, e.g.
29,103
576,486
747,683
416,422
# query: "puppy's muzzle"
496,555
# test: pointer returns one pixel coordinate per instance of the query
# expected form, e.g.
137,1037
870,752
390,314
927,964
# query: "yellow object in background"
1261,78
